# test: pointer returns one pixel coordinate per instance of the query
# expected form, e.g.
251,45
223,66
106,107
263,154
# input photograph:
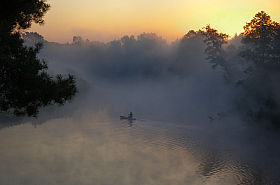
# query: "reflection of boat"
129,118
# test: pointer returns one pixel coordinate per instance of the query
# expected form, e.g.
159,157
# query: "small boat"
129,118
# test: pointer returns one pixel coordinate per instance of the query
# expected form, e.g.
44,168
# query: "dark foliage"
261,51
25,86
254,66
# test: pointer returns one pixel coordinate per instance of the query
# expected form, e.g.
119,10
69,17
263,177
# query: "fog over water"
146,76
171,90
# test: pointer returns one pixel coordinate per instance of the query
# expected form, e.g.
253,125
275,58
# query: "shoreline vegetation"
248,63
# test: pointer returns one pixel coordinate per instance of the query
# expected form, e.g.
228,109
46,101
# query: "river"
102,150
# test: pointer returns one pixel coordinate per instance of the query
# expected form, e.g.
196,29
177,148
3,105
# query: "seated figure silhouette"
130,115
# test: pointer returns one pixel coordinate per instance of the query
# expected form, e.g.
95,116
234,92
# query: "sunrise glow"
107,20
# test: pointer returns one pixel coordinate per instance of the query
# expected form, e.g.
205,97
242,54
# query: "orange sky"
106,20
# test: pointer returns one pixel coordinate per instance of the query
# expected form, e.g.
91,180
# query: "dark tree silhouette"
261,50
77,39
214,41
219,55
25,86
259,38
255,65
127,41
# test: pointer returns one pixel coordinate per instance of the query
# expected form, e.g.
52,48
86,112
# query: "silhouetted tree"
261,51
275,53
260,34
215,41
220,55
149,40
126,40
77,39
25,86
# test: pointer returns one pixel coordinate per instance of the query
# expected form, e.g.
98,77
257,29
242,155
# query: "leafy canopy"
25,86
255,65
260,38
19,14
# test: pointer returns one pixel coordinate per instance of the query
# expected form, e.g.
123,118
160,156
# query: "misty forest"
227,87
249,65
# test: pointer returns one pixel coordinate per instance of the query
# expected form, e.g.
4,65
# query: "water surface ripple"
96,150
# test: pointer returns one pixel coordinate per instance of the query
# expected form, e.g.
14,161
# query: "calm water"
94,149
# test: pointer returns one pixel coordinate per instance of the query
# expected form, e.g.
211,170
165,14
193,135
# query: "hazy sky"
106,20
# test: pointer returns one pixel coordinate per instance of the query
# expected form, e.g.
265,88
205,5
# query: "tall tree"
261,51
260,34
25,86
219,55
215,41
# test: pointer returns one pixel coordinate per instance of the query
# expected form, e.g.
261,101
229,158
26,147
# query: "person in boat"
130,115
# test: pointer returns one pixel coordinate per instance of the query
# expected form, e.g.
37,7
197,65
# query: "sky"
107,20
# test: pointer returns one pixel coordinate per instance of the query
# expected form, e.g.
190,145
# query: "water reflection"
100,150
211,164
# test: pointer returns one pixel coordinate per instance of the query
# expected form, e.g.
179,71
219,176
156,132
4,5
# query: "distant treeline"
250,61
